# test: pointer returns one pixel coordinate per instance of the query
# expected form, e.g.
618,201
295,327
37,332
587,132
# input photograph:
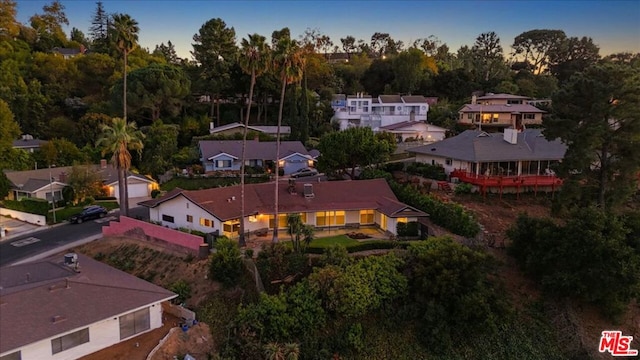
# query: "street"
49,239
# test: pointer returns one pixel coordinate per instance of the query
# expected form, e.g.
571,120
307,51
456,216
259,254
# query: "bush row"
32,206
364,246
427,171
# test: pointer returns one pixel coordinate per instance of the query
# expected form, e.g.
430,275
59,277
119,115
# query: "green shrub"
408,229
28,205
225,264
248,253
155,193
463,188
183,289
427,170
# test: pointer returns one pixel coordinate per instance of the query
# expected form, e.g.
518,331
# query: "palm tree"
124,35
117,139
288,60
254,60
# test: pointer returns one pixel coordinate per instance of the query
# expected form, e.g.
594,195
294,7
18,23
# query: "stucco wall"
147,231
26,217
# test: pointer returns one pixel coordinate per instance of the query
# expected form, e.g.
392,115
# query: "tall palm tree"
117,139
124,35
254,60
288,60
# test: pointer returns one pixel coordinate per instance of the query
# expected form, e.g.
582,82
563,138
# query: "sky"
613,25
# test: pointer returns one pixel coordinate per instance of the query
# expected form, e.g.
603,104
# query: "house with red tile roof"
226,155
66,307
500,111
324,205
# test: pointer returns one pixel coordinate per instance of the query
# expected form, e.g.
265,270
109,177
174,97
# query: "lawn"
206,182
325,242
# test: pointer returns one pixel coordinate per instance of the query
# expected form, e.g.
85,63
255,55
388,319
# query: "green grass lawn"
333,240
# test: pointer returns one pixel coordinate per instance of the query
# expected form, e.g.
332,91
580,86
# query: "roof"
259,199
385,99
501,96
254,149
31,180
476,146
267,129
28,143
507,108
32,294
409,99
404,124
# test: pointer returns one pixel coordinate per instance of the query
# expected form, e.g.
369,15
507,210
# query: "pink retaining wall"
132,227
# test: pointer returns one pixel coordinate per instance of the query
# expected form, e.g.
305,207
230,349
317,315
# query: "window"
328,218
223,163
495,118
366,216
231,227
206,222
448,161
529,116
13,356
253,162
511,101
282,221
134,323
470,116
69,341
189,218
402,220
383,221
167,218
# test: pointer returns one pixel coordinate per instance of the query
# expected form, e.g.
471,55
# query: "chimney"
103,163
211,126
62,177
511,136
474,99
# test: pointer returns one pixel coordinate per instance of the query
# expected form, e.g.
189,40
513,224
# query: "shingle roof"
260,128
502,96
476,146
32,294
511,108
385,99
411,99
28,143
254,150
259,199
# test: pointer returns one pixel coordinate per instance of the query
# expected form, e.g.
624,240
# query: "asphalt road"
50,239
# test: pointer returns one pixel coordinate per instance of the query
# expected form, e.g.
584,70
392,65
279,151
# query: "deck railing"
506,181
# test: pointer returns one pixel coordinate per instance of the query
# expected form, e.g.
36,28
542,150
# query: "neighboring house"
385,110
66,307
237,128
225,155
42,183
415,130
324,205
499,111
475,155
28,143
68,53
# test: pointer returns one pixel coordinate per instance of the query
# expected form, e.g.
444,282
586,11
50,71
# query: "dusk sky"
613,25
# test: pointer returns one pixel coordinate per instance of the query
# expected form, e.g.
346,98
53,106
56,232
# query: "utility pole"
53,197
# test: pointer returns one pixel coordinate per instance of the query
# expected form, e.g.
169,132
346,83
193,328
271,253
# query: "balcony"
501,182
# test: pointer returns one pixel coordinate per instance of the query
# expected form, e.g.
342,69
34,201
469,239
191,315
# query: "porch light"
310,162
281,163
253,218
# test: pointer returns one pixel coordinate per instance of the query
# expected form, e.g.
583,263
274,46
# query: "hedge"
363,246
32,206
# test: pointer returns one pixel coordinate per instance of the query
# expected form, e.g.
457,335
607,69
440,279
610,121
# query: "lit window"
366,216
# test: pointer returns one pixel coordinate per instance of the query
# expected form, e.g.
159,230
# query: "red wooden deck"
501,182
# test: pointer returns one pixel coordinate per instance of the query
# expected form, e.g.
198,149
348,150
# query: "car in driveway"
88,213
304,172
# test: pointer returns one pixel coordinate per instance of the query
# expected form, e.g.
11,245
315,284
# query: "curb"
58,250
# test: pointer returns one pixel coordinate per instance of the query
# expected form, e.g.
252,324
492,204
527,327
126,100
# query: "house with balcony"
520,160
384,110
497,111
324,205
226,155
66,307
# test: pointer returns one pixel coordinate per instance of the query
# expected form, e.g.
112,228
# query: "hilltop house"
66,307
500,111
513,158
28,143
334,204
226,155
41,183
238,128
385,110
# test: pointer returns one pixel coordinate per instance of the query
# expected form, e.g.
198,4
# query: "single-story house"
415,130
225,155
28,143
66,307
41,183
333,204
234,128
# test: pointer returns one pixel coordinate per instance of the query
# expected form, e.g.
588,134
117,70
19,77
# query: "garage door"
137,190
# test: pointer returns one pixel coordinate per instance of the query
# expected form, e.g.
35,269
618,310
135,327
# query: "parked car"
304,172
88,213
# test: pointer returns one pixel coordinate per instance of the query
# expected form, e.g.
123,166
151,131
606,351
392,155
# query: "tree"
168,52
161,143
254,60
78,36
48,26
408,70
215,49
5,185
301,234
9,27
99,29
489,51
59,152
287,60
348,45
572,55
597,115
158,89
428,45
84,181
379,43
9,128
225,264
352,148
533,46
117,139
89,127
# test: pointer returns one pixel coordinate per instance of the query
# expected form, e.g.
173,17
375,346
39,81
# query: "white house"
66,307
337,204
385,110
415,130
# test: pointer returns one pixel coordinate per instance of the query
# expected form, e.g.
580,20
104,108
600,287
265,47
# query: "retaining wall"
26,217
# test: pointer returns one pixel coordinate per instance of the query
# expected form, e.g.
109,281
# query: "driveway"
14,228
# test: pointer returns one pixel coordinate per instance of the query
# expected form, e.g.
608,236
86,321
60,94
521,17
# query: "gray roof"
267,129
385,99
28,143
478,146
412,99
32,295
510,108
502,96
255,149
